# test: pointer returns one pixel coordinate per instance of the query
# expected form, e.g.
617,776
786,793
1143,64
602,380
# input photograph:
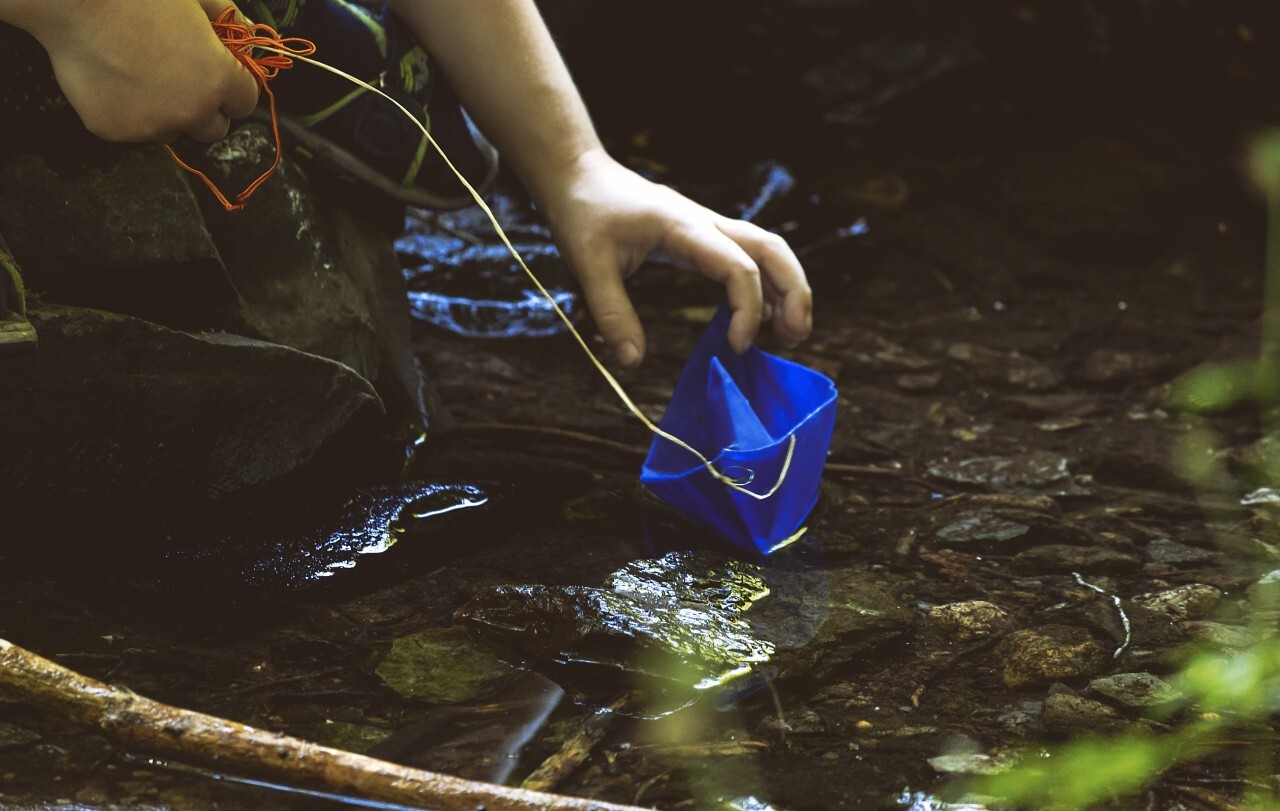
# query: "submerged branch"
149,726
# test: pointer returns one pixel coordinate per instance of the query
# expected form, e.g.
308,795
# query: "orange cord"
241,39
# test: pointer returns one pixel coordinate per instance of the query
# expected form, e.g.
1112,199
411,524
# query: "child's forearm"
508,74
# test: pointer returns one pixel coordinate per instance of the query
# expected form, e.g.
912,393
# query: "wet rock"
684,618
1022,718
1049,653
587,626
16,737
971,763
443,665
1151,629
1171,553
797,721
981,528
1064,559
1115,365
1007,530
677,618
358,738
297,267
969,620
331,288
1042,406
127,236
1137,691
1068,714
918,382
341,536
175,422
948,564
1218,635
1035,471
863,612
1265,593
875,353
1133,470
1188,602
1059,424
1008,368
1012,501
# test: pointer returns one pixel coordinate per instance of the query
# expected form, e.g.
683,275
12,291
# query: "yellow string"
613,382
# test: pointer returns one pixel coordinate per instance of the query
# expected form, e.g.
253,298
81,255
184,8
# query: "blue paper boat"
755,416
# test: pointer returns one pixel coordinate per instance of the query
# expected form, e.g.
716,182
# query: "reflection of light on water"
358,802
919,801
480,502
750,803
785,542
531,317
514,745
722,678
378,533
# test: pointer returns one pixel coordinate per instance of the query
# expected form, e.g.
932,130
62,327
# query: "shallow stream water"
1027,280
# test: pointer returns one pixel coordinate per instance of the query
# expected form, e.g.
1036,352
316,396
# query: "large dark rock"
114,417
126,237
133,233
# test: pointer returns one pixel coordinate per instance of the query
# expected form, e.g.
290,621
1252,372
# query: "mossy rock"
443,666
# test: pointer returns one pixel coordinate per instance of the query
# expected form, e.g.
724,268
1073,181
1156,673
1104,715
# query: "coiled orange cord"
241,39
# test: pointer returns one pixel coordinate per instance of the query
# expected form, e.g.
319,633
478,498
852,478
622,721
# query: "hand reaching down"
607,220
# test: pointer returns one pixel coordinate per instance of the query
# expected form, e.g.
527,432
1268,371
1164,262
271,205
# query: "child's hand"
607,220
141,70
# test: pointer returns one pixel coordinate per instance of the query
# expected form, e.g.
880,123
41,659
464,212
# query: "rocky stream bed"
1010,549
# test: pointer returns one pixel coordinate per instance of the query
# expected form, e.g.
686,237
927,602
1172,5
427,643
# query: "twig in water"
145,725
576,748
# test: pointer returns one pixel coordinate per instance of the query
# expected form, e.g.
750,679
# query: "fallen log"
149,726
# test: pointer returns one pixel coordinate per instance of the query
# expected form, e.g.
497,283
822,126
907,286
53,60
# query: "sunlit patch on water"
920,801
459,283
529,316
750,803
276,547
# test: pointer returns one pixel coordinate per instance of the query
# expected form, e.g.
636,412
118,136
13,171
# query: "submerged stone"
1008,368
971,763
1064,559
969,620
1034,471
16,737
1220,635
1137,691
699,646
1172,553
443,665
695,619
981,528
863,612
1189,602
1068,714
1049,653
358,738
